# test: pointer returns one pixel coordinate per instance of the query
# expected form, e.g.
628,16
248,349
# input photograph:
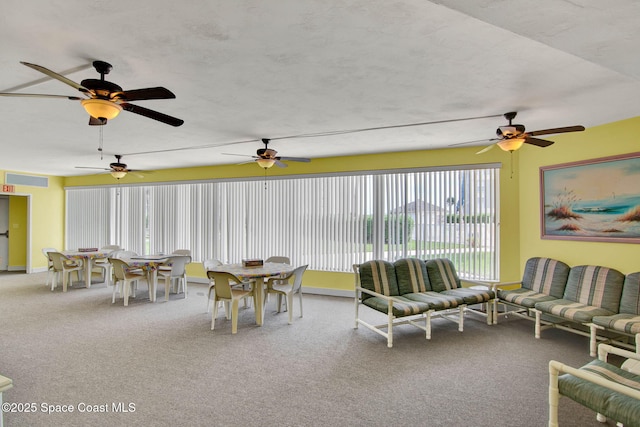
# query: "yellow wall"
601,141
519,197
344,281
47,218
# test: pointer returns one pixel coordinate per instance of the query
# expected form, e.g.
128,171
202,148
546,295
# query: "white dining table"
257,276
87,258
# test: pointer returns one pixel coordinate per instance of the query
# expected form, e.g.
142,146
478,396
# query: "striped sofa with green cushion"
627,321
404,292
613,405
544,279
591,291
608,390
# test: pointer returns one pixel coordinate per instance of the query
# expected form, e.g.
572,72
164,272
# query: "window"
329,221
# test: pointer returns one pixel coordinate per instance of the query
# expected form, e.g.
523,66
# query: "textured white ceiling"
250,69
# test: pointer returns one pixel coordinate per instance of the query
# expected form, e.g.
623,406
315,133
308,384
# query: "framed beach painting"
593,200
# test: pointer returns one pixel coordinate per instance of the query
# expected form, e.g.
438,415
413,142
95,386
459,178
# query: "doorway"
4,233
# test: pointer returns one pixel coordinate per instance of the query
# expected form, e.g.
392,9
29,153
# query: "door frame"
28,255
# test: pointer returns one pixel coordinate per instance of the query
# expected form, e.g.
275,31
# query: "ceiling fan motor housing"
510,131
266,153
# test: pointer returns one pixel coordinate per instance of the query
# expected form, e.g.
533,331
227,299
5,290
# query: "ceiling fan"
513,136
104,100
117,169
267,157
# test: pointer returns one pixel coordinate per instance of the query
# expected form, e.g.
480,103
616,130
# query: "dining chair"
177,273
50,272
279,259
287,286
175,252
63,266
208,265
103,265
226,292
125,280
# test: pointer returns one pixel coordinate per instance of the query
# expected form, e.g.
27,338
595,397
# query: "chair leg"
167,285
227,310
300,297
290,306
234,316
209,298
214,314
54,280
279,302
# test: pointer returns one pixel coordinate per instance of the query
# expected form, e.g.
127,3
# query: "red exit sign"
8,188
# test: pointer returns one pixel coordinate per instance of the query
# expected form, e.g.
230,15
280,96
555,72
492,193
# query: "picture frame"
594,200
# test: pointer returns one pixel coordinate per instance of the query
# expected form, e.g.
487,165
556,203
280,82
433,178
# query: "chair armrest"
605,349
373,293
556,368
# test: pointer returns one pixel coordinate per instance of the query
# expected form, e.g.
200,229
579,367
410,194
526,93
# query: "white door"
4,233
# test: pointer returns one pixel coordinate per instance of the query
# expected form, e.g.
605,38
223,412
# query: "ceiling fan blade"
56,76
294,159
485,149
40,95
577,128
486,140
155,115
280,164
143,94
538,142
89,167
242,155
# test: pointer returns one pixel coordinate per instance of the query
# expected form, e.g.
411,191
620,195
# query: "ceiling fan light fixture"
265,163
118,174
512,144
101,108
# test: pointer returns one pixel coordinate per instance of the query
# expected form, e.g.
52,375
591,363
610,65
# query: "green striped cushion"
436,300
411,274
523,297
619,322
471,296
442,274
572,310
401,306
612,405
546,276
630,300
378,276
596,286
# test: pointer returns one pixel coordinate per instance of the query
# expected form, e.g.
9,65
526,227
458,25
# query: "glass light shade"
100,108
265,163
511,144
118,174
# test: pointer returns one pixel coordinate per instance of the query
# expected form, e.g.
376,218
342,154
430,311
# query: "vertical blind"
329,222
